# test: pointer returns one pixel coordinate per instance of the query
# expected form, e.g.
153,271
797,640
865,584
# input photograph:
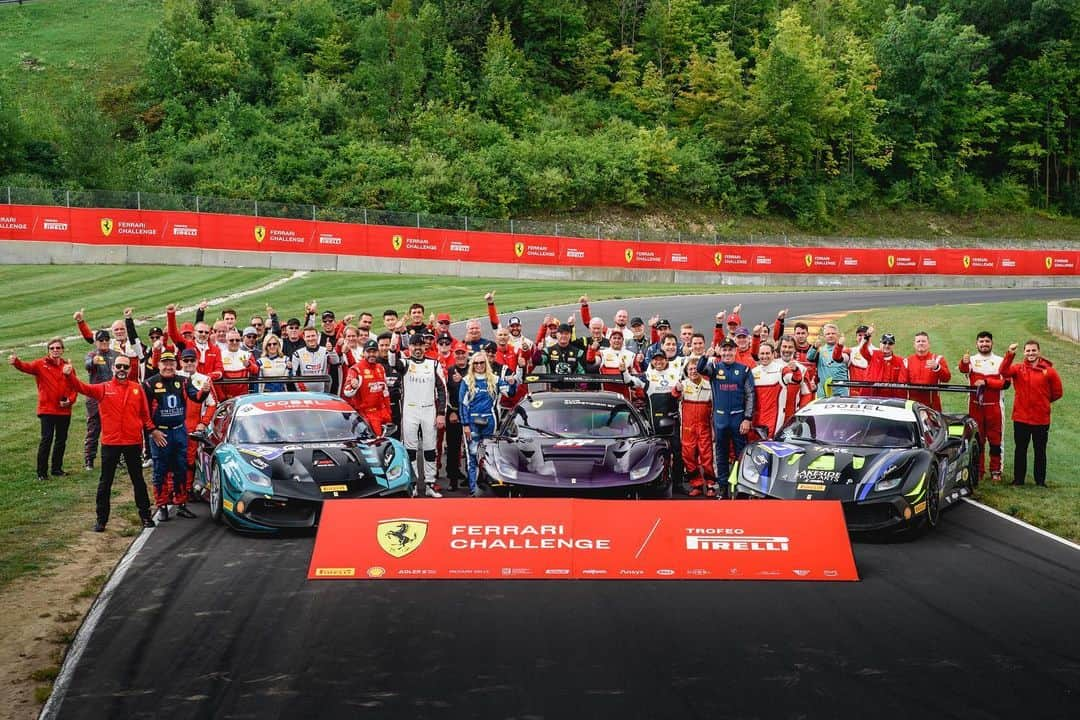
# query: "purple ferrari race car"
575,443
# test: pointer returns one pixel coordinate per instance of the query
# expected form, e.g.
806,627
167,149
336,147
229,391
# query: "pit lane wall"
1063,320
49,234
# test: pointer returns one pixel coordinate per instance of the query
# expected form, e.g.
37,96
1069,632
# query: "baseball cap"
444,339
249,330
328,315
416,339
741,330
442,317
187,328
515,320
862,328
616,331
734,319
156,331
727,342
663,322
167,355
101,335
634,322
371,345
566,327
888,338
188,354
293,322
491,348
426,335
460,347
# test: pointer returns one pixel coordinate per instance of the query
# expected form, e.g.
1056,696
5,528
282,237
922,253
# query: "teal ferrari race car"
268,461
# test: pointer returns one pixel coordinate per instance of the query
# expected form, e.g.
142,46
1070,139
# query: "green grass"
952,331
54,50
38,301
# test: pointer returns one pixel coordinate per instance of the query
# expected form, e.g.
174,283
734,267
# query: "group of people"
708,392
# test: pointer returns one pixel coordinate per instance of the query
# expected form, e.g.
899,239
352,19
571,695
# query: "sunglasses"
479,364
254,324
56,347
200,332
444,322
121,366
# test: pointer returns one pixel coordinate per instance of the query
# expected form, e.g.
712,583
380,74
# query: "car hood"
588,463
317,470
811,471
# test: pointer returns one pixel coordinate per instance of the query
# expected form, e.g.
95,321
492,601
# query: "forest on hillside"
502,108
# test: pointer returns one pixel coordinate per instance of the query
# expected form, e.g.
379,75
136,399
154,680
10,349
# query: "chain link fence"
571,229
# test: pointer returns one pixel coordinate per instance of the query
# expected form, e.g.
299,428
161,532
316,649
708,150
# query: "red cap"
187,328
458,345
734,319
442,317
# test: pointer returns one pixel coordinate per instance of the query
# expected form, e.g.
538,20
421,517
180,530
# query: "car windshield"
575,418
838,429
297,426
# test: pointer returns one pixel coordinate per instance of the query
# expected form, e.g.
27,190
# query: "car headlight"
258,479
890,479
640,472
505,469
389,455
393,473
756,465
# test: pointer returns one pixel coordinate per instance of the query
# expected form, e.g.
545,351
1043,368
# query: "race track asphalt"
977,620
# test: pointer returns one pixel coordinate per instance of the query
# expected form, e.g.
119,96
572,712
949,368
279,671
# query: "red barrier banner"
212,231
566,539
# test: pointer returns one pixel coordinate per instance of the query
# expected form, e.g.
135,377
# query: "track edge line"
1021,523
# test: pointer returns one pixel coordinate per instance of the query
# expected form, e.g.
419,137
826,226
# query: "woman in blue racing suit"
478,407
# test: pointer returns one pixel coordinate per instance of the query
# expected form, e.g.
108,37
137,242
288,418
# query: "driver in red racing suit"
366,389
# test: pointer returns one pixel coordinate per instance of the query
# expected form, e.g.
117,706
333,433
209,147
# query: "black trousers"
454,434
1037,435
110,458
93,434
54,432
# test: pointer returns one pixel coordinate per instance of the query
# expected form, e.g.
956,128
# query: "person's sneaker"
41,478
147,462
162,514
182,511
472,493
99,527
413,491
89,467
148,523
695,492
432,492
995,477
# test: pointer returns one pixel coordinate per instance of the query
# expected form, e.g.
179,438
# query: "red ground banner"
564,539
260,234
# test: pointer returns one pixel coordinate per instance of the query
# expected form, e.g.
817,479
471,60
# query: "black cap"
293,321
862,329
188,354
444,338
101,335
371,345
663,322
427,335
491,348
635,321
727,342
888,338
566,327
416,339
156,331
328,315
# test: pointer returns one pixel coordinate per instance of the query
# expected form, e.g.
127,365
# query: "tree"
504,92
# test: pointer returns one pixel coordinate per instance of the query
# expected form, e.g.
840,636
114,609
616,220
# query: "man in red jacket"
1037,385
55,399
926,368
124,416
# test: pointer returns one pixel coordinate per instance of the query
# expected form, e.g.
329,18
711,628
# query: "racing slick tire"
973,466
215,494
932,517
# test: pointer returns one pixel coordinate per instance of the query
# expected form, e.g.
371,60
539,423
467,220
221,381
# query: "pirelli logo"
335,572
740,543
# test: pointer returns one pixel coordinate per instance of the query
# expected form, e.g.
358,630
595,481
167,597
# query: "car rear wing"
257,380
970,389
575,379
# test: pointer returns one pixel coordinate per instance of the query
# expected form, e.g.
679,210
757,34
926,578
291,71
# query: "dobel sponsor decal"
521,537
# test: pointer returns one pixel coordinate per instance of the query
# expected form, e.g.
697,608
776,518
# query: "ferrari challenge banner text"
563,539
260,234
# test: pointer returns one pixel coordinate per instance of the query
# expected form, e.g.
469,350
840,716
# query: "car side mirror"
201,436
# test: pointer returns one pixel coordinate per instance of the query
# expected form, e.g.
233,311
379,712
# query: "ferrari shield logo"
1049,262
519,249
106,226
396,242
967,261
401,536
629,254
892,261
718,258
260,233
809,260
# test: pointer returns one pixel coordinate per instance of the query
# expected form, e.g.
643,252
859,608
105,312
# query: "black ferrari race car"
894,464
575,442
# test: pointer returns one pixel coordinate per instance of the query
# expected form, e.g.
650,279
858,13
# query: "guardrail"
369,216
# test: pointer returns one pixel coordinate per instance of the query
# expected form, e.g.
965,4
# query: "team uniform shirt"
204,411
695,412
1037,386
660,388
832,366
560,360
608,361
236,364
772,384
891,369
919,373
423,385
272,367
52,386
371,397
988,369
859,369
319,361
99,367
123,408
168,398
